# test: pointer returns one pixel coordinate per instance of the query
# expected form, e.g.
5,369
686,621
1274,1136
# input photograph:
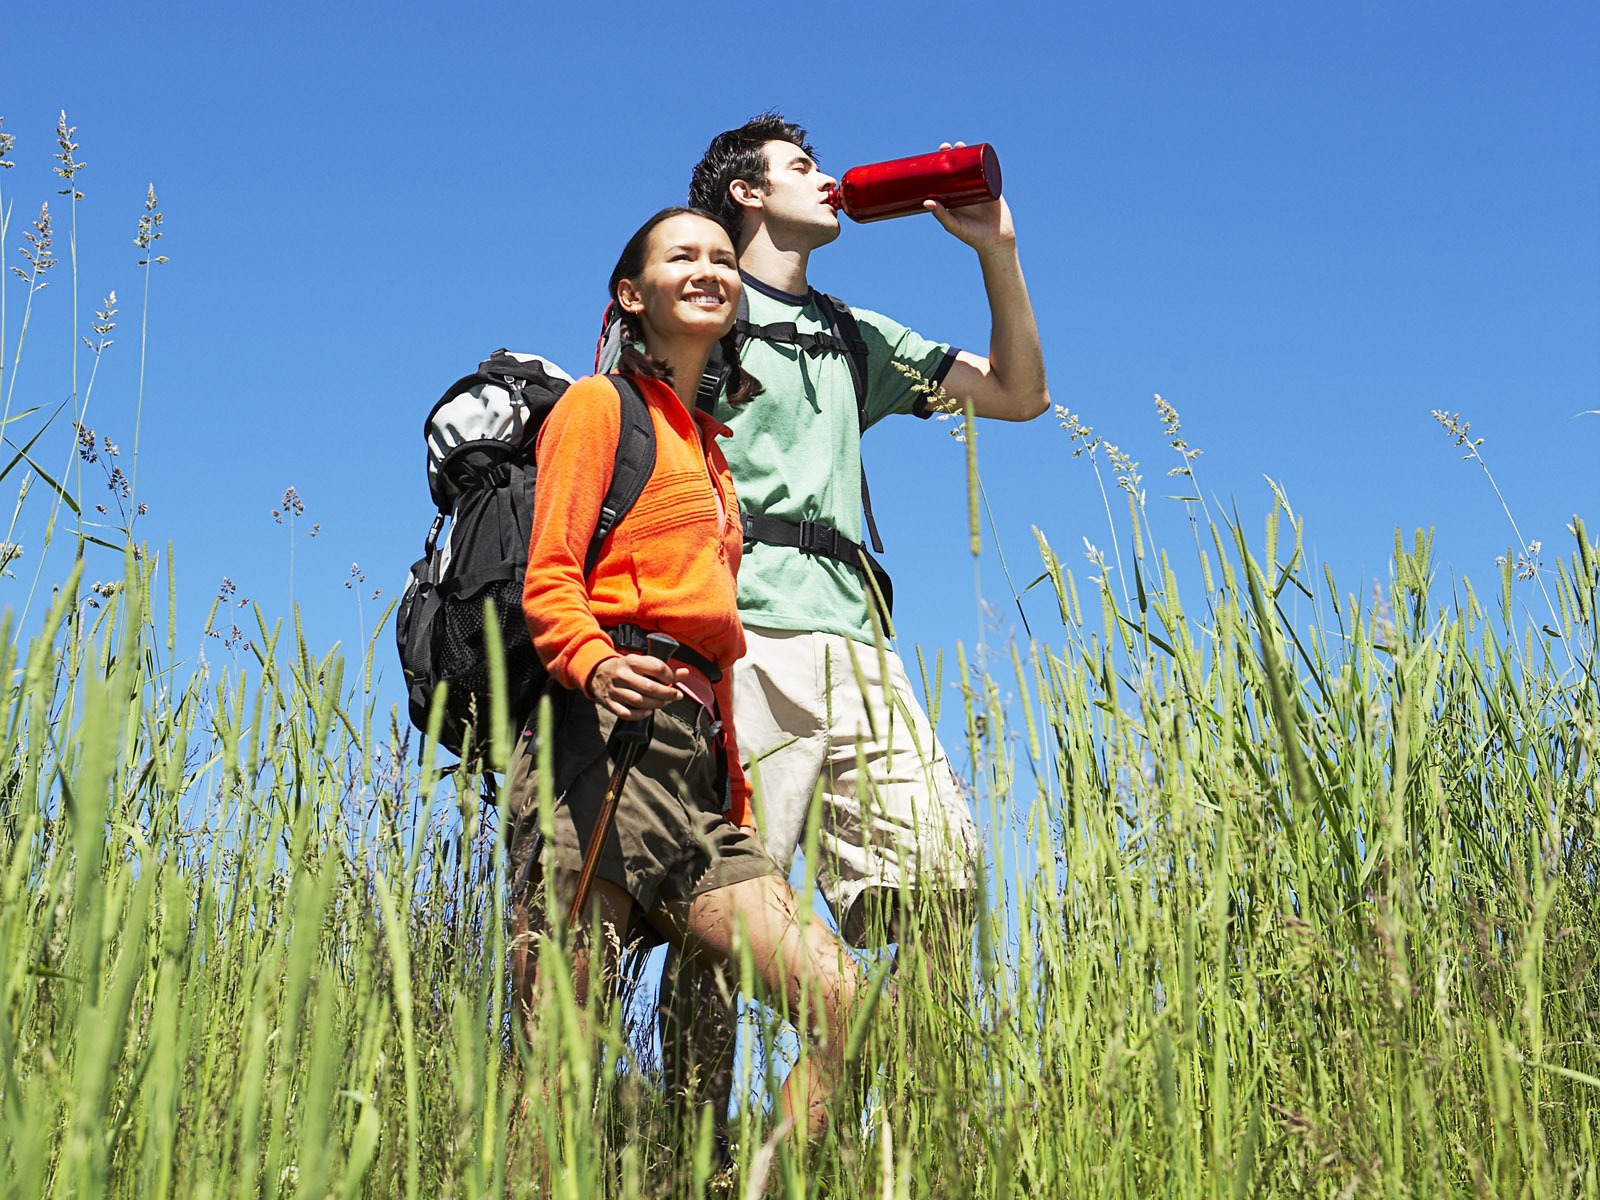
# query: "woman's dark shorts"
669,839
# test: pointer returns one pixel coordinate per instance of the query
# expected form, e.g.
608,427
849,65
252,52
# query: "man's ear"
628,297
745,194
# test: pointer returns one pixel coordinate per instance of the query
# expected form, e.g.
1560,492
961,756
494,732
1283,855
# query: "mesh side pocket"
464,658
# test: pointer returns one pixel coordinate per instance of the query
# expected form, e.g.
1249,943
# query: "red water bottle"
956,177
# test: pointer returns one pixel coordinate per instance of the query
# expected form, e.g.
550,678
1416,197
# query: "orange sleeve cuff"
580,664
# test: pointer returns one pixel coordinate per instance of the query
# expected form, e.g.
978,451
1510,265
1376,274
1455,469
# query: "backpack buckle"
819,538
627,638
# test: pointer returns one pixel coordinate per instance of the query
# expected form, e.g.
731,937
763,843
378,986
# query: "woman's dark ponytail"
743,387
631,359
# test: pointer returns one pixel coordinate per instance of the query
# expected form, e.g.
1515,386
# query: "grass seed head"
290,506
939,402
70,166
1525,563
105,318
1128,477
37,251
1171,426
1080,433
1458,429
88,444
149,228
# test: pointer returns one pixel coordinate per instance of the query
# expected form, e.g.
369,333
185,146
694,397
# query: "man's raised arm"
1008,385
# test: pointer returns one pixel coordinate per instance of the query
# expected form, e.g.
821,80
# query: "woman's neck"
687,359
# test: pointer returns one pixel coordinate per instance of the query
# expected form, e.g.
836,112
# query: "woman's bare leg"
607,902
804,964
611,906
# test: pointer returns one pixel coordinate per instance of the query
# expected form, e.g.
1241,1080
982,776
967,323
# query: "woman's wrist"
594,674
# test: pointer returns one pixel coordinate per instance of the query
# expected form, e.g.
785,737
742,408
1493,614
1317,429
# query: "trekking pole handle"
657,645
629,740
661,645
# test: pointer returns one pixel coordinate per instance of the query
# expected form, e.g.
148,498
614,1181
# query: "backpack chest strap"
812,344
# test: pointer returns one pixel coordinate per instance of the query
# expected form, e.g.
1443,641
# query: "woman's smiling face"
690,281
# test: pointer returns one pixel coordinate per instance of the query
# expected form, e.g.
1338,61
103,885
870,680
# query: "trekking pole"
629,740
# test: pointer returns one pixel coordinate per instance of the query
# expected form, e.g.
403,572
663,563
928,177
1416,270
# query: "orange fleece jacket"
669,565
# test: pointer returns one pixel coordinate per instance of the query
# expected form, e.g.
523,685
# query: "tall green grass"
1294,895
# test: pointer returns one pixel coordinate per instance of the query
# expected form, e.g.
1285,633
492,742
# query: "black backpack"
843,337
481,474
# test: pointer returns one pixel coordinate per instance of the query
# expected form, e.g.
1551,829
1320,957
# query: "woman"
681,861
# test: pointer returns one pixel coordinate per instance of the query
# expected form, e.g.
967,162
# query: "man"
818,697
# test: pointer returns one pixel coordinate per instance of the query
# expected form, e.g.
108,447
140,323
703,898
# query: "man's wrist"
999,255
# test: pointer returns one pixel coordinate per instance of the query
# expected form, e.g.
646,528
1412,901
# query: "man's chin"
804,235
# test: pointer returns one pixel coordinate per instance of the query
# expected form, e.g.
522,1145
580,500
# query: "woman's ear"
628,298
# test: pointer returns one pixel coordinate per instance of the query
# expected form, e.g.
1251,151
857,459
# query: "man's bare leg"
940,923
697,1015
799,963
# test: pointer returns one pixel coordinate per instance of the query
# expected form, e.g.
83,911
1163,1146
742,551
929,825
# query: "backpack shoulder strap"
843,323
843,336
718,372
635,460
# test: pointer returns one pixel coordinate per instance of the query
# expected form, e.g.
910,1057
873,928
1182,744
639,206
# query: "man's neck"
776,265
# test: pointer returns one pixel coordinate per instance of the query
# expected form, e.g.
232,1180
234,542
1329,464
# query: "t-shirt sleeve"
892,349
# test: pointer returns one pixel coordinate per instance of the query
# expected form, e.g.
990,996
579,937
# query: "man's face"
795,199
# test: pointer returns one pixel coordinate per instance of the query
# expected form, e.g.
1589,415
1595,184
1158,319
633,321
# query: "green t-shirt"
796,454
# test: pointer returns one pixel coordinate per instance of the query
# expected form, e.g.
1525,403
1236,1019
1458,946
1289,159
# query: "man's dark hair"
736,154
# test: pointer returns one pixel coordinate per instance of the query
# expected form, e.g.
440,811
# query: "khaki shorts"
669,838
816,708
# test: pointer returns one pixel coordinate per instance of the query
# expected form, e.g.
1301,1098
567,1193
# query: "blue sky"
1304,226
